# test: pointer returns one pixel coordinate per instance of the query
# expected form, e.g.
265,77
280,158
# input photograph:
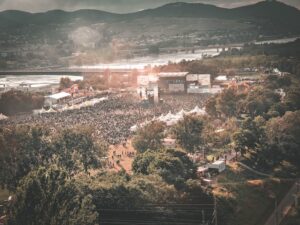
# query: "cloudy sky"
120,6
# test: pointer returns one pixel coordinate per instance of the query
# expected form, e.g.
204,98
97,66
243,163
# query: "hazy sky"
121,6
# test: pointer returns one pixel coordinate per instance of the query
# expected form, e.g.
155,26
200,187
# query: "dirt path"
121,156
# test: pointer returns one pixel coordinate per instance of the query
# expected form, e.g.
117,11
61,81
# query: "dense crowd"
112,119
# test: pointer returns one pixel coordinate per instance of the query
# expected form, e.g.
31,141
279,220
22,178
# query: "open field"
126,153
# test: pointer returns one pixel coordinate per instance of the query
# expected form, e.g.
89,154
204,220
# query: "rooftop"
173,74
59,95
219,162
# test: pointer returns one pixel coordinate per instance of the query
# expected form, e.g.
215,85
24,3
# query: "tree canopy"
14,101
149,137
48,196
188,132
173,166
23,148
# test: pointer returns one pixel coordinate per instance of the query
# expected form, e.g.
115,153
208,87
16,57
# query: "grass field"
253,196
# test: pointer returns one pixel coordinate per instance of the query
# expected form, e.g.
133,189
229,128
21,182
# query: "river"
36,81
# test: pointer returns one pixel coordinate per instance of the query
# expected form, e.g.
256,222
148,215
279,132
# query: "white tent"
76,106
161,118
59,95
169,116
42,111
66,108
171,122
103,99
134,128
84,104
51,110
181,113
3,117
197,111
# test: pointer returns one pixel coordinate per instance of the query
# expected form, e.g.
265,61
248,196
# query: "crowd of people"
111,120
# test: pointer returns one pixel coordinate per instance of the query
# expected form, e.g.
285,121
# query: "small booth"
218,166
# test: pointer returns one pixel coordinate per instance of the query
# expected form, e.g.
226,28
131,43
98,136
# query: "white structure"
204,80
173,81
56,98
3,117
201,171
213,90
156,94
171,119
221,78
198,83
197,111
201,79
218,165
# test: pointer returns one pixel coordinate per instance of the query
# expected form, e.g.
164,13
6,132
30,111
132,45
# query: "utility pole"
296,200
215,210
203,217
276,212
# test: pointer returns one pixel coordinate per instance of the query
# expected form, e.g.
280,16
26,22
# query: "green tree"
283,133
75,148
65,82
24,148
293,98
210,106
259,101
173,166
149,137
188,132
47,196
227,102
243,140
14,101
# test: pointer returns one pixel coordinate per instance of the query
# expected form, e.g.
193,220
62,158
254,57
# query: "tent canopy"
3,117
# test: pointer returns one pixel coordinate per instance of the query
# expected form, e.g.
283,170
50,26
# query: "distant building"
198,83
173,82
219,166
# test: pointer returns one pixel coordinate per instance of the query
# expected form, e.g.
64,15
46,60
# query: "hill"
13,18
271,14
275,15
51,38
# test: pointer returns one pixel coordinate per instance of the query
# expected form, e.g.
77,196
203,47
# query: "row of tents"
89,103
171,119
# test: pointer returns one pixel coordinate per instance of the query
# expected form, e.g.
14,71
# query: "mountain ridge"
274,15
